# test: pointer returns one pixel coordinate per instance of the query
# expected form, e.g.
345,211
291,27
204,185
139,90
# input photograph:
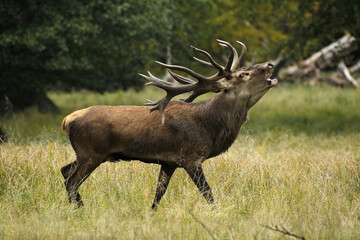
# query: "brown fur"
71,117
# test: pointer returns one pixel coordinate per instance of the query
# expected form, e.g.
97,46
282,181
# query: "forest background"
102,45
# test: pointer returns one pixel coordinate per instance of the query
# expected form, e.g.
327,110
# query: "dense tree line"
101,45
97,45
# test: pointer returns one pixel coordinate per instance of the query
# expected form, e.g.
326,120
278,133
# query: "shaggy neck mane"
222,116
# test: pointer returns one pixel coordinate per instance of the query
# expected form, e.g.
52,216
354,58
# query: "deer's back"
132,132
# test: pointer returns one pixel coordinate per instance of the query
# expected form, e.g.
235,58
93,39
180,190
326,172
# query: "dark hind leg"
164,178
68,169
198,177
83,169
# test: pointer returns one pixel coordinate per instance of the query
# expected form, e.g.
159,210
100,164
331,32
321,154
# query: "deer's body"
135,133
191,133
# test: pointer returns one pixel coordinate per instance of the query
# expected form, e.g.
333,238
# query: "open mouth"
271,82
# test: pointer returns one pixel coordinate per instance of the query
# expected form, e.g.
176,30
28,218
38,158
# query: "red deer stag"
181,134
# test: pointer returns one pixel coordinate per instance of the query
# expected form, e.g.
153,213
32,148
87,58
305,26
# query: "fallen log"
327,58
329,55
346,73
355,68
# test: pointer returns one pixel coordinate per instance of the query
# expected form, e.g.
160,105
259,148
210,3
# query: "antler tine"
203,62
167,86
195,94
212,61
180,78
151,103
199,77
156,81
242,55
232,54
171,91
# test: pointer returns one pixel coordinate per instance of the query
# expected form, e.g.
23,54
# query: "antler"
233,59
237,62
171,89
203,85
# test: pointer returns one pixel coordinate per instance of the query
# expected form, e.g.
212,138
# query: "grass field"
295,165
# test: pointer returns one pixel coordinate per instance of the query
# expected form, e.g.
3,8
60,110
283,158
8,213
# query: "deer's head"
247,84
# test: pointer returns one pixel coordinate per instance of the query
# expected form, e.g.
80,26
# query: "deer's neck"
222,116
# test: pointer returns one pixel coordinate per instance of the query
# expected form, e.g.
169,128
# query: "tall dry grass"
295,164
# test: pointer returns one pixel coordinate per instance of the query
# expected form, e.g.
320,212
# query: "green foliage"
97,45
293,28
259,24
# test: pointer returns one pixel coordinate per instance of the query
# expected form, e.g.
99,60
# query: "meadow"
295,166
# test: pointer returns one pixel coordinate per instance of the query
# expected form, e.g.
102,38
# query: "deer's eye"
241,75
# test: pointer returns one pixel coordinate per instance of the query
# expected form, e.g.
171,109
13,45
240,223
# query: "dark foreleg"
197,175
164,177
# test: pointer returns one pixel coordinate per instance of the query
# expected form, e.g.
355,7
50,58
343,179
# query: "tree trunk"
3,137
15,102
5,105
45,105
167,77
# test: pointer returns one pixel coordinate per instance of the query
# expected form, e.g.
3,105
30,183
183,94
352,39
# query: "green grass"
296,164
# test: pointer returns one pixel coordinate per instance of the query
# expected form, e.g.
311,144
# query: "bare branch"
354,68
283,231
346,73
200,222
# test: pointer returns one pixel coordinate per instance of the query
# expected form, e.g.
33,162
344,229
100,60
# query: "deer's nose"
270,65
